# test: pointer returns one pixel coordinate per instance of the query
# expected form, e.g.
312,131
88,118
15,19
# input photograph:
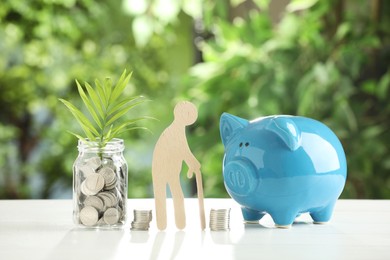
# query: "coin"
93,162
94,183
109,198
107,162
95,202
109,177
139,226
89,216
85,190
111,216
86,170
101,222
110,187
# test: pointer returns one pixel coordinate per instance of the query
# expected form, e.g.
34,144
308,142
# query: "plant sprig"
106,105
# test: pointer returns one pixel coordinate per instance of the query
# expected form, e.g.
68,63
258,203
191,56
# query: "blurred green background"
327,59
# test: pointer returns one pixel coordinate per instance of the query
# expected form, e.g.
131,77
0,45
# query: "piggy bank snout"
240,177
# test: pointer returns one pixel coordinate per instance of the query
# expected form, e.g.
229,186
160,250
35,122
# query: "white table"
43,229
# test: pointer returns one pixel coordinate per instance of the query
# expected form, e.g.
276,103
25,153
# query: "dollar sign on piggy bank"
283,166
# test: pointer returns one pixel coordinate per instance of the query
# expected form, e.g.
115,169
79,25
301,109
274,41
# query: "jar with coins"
100,185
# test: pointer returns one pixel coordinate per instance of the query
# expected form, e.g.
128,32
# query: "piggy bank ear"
229,125
287,130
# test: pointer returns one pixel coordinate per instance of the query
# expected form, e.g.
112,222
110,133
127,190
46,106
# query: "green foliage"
44,46
329,61
106,105
323,59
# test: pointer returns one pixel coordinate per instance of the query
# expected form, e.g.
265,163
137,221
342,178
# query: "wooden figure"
169,153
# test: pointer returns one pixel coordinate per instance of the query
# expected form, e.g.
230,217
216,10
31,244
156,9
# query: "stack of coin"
142,220
219,219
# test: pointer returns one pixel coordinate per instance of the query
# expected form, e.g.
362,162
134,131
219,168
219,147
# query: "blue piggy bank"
283,166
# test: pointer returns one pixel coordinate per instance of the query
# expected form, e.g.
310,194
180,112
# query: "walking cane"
199,187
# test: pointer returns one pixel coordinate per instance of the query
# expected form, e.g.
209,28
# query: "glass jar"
100,185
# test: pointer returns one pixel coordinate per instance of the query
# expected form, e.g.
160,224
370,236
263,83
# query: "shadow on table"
84,244
223,237
158,241
266,240
226,238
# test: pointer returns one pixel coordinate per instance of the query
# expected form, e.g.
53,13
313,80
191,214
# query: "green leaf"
122,112
101,93
342,30
106,105
120,86
263,4
383,86
130,129
88,128
77,136
96,100
121,104
107,85
127,123
236,3
108,136
88,104
298,5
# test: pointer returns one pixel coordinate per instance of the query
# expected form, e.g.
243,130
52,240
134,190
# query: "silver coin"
110,187
108,175
94,183
140,225
101,222
111,216
89,216
95,202
109,198
139,228
93,162
107,162
86,170
106,200
85,190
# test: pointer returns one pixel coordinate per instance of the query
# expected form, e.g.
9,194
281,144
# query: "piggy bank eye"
240,145
246,144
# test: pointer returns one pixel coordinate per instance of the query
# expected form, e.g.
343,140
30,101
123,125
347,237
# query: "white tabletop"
43,229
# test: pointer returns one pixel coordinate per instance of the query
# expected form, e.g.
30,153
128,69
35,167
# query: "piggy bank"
283,166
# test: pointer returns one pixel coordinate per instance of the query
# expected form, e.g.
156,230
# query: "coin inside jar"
108,175
94,183
86,170
93,162
95,202
89,216
111,216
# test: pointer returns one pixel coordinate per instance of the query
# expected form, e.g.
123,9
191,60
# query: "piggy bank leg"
322,216
283,219
251,215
